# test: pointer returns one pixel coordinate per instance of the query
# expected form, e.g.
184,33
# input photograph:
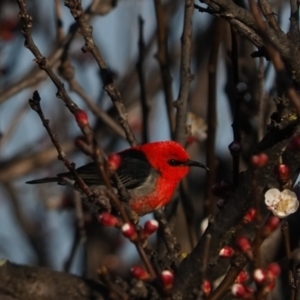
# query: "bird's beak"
192,163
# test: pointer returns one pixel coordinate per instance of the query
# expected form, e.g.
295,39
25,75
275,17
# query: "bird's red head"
169,158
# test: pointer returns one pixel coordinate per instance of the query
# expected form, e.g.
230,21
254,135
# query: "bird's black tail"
44,180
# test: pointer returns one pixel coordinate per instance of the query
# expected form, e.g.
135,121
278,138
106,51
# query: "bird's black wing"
133,171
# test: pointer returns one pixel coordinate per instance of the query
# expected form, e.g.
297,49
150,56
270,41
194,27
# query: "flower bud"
114,162
242,277
107,219
206,287
259,160
282,173
238,290
270,226
273,270
167,278
226,251
249,216
234,148
259,276
150,227
243,244
129,231
139,273
81,118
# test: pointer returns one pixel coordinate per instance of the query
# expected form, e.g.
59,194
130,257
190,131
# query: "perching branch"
185,73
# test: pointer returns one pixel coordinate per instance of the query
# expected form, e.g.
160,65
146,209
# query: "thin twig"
169,238
283,76
212,116
139,66
287,245
35,105
261,99
205,258
68,73
163,59
59,22
87,32
237,101
269,15
185,73
294,18
13,124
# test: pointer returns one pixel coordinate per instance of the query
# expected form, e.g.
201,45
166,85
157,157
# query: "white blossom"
282,203
197,127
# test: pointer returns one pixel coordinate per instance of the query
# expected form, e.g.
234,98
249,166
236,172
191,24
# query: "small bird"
150,173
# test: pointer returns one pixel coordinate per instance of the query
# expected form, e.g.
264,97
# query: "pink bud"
128,231
150,227
249,216
243,244
206,287
259,276
167,278
139,273
81,118
242,277
282,173
259,160
271,225
226,251
114,161
273,270
238,290
107,219
235,148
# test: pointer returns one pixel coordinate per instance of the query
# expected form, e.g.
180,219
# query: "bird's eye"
173,162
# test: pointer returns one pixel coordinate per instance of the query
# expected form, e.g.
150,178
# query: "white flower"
282,203
197,127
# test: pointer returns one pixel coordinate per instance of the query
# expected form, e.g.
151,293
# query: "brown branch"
294,19
211,116
170,240
269,15
139,65
93,198
13,124
27,283
224,224
163,59
68,73
185,73
276,59
35,76
87,32
19,165
59,21
42,62
287,245
261,99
